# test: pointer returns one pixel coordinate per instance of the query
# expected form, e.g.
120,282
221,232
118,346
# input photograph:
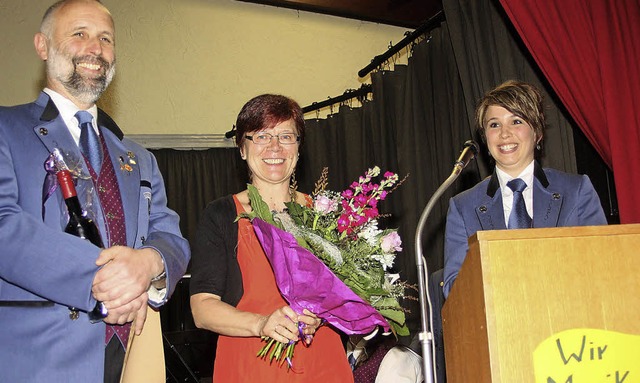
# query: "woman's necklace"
292,193
292,198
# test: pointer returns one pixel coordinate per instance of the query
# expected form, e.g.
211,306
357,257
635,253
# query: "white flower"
385,259
390,279
370,233
329,248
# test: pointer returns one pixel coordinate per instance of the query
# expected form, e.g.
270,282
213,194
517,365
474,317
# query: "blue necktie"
89,141
519,218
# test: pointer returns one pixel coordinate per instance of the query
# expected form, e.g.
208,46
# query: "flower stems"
281,352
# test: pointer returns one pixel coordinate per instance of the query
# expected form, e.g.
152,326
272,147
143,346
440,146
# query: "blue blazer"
43,270
559,199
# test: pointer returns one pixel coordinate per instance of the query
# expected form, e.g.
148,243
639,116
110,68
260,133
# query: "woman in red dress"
233,288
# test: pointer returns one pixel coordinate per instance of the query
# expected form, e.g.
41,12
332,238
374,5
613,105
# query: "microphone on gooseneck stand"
469,152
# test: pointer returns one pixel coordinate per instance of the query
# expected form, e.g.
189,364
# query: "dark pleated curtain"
193,178
414,126
421,115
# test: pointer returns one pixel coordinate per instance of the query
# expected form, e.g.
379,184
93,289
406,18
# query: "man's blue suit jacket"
43,270
559,199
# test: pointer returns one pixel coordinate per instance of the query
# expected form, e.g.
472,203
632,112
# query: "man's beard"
87,90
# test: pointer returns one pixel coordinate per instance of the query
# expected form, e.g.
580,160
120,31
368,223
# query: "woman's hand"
280,326
312,323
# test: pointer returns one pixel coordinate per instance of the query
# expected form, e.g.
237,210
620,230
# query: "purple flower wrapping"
306,282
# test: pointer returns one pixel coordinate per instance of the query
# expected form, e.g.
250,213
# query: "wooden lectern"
517,288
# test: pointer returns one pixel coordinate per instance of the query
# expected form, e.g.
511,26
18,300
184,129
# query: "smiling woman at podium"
520,193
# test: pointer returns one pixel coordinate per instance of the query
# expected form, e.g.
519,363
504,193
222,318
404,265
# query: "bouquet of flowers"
332,259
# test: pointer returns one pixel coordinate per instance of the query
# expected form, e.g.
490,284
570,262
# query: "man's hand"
136,309
125,276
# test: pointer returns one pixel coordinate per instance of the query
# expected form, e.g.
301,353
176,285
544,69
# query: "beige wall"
188,66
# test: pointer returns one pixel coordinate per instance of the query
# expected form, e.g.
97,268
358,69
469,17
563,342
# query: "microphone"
469,152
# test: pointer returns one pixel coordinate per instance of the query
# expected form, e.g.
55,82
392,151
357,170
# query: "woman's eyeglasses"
265,138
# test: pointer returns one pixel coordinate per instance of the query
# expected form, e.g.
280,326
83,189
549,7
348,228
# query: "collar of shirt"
507,193
68,111
356,349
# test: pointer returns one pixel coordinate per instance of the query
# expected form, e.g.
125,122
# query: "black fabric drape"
194,178
414,126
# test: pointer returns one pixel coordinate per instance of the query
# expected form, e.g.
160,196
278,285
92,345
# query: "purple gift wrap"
306,282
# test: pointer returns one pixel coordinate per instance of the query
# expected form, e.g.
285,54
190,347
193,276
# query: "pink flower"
360,201
371,213
391,242
359,220
324,204
343,223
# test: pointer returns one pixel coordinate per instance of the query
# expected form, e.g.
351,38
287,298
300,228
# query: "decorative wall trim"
183,141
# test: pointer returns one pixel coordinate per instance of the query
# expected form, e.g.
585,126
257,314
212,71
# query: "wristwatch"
160,276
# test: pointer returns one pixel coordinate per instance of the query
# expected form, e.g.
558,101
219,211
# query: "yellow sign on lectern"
588,355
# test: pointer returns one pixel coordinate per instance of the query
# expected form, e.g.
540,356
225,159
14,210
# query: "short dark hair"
265,112
520,98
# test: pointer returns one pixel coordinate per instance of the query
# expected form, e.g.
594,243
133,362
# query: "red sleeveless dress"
324,361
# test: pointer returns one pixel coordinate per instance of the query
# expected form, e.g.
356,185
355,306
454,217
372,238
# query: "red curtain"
589,52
